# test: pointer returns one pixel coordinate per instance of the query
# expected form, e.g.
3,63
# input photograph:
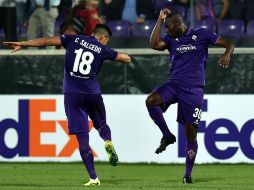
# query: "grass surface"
70,176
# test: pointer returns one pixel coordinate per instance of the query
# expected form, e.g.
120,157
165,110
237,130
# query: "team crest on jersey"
194,37
185,48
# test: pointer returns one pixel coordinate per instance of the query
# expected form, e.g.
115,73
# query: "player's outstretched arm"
225,58
123,57
155,42
51,41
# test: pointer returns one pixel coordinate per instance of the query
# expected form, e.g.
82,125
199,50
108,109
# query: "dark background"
23,74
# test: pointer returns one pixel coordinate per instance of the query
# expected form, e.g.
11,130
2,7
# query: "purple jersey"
83,60
188,55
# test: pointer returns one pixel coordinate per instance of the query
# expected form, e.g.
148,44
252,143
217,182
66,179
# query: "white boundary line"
138,51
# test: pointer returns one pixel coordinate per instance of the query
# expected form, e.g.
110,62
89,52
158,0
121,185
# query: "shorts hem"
163,105
183,123
76,132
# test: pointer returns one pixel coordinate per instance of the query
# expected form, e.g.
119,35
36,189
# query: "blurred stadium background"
33,134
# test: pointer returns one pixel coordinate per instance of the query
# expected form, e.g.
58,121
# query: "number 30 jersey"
83,59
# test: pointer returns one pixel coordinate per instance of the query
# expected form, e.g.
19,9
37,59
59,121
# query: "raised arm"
123,57
155,41
225,58
51,41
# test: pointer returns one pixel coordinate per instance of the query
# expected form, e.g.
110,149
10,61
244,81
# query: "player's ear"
101,37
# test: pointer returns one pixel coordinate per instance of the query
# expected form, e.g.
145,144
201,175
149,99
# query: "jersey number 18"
83,59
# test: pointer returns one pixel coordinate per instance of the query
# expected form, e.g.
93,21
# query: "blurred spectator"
181,2
211,9
8,19
160,4
72,26
21,8
129,10
72,23
111,9
29,12
43,19
65,7
138,10
241,9
87,10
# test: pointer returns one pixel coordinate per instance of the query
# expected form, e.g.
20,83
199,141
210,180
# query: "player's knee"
154,99
150,100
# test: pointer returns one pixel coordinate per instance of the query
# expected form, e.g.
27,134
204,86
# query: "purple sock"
190,152
86,154
156,114
105,133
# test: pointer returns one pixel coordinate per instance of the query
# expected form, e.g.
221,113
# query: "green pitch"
71,176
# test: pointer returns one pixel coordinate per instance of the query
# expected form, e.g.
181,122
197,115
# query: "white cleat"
93,182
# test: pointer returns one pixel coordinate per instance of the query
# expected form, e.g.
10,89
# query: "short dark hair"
169,16
101,29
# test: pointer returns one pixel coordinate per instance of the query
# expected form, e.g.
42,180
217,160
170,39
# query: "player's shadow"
119,181
2,185
198,180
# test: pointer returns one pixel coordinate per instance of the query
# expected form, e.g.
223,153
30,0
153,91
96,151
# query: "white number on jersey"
83,66
197,113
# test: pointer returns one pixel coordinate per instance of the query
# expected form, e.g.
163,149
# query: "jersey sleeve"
109,54
65,39
165,38
211,36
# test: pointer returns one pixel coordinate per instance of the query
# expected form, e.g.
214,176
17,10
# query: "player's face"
105,39
174,26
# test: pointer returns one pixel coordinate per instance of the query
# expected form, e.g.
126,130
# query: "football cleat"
112,156
165,142
93,182
187,179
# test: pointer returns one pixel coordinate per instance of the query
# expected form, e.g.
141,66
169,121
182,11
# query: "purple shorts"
79,106
189,99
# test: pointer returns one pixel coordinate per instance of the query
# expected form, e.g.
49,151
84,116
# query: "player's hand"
163,13
224,60
15,45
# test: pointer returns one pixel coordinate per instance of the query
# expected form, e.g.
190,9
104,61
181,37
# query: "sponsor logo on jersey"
185,48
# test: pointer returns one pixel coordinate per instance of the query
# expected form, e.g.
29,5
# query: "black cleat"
165,142
187,179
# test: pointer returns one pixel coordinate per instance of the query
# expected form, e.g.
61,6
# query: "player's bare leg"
190,151
153,103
